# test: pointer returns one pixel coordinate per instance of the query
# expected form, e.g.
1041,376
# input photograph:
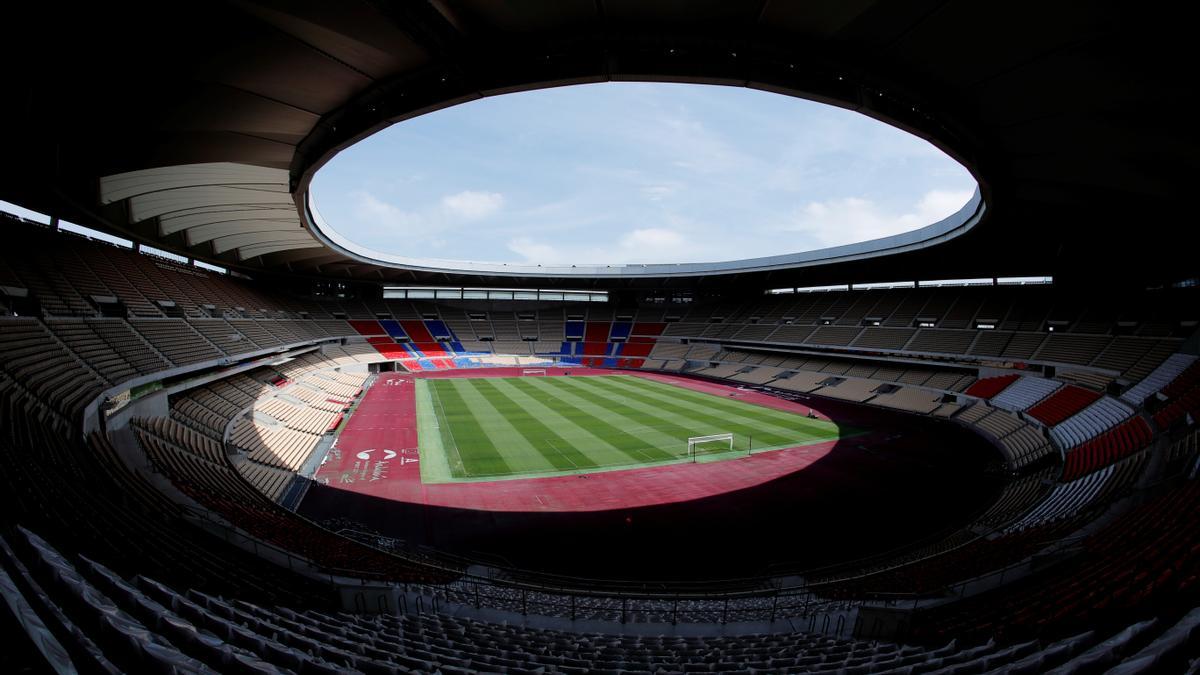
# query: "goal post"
533,371
713,443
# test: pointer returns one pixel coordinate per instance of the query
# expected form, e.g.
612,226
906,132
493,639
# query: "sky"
634,173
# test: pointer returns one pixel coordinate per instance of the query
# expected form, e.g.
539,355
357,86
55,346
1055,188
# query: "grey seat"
168,660
1047,657
1107,653
248,664
1164,649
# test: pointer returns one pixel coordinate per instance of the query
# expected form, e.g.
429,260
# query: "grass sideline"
478,429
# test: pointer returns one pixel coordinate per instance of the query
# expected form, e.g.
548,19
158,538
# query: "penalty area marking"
435,467
560,453
458,461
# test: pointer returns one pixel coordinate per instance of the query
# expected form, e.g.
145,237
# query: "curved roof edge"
943,230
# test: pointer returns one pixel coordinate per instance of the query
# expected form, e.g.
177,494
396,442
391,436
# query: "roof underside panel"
206,120
233,208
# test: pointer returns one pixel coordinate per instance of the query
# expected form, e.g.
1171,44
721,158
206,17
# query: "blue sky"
634,172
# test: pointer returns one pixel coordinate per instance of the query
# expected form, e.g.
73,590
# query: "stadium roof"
196,127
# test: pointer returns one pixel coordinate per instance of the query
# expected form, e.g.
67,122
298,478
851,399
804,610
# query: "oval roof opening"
633,173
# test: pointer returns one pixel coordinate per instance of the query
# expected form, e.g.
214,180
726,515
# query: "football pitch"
472,429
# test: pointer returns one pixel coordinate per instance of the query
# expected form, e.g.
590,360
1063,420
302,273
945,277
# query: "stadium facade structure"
122,374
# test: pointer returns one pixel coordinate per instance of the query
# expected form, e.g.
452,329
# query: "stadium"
234,439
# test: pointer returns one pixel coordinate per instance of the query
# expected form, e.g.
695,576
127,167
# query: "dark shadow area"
909,479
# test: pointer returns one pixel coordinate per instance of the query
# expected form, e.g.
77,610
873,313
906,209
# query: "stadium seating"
133,503
41,364
855,390
1086,378
1181,407
1077,349
1147,555
911,399
1062,404
197,470
1182,455
1021,442
1071,497
935,341
234,316
1024,392
1016,498
952,560
991,386
86,496
284,425
1163,375
1116,443
1090,422
772,370
137,623
1181,396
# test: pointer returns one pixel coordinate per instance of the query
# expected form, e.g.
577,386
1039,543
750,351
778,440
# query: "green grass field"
491,428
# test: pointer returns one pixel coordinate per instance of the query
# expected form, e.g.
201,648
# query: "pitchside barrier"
533,371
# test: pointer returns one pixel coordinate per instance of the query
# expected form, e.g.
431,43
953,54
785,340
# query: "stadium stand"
1062,404
941,341
858,391
163,400
1181,397
1115,444
139,623
1180,409
911,399
1023,393
41,364
231,446
193,289
1170,369
991,386
1141,556
1182,455
1066,500
1088,379
1021,442
1090,422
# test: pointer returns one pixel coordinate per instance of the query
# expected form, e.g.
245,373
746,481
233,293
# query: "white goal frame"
533,371
693,441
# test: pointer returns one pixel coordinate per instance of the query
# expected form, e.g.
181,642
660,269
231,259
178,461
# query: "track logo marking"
366,454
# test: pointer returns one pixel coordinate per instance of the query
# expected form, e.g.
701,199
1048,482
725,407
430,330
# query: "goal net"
700,445
534,371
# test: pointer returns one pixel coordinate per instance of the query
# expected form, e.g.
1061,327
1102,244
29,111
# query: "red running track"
376,454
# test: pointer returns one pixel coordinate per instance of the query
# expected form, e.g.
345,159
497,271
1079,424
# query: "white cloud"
653,241
642,245
535,251
938,204
386,226
378,213
690,145
473,205
675,174
660,191
466,205
842,221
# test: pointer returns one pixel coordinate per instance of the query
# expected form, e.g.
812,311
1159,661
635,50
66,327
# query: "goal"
697,445
534,371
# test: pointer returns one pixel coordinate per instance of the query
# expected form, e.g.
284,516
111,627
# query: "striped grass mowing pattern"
488,428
